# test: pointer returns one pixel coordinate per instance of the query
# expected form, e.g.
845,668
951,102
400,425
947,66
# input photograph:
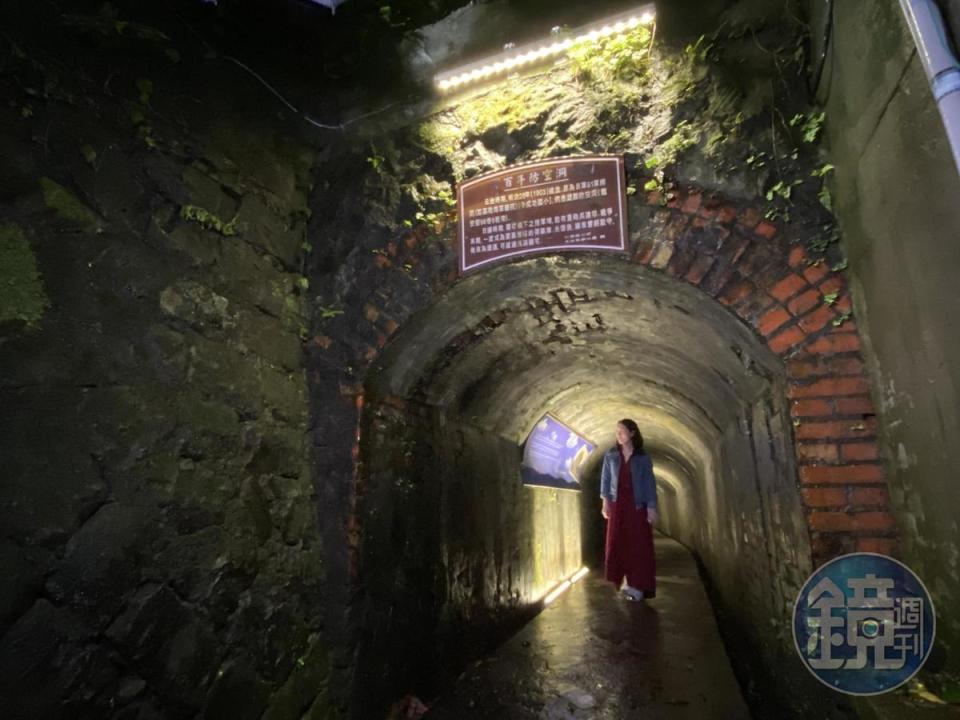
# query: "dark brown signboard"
573,203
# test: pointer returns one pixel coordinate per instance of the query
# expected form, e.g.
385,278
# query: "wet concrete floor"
593,654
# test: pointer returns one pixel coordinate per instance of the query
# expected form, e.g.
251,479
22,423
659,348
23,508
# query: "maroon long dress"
629,547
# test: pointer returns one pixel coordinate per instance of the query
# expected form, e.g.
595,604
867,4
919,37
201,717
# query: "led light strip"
564,586
534,52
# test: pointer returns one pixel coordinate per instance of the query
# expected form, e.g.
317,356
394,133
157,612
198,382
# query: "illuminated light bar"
564,586
556,592
525,55
579,574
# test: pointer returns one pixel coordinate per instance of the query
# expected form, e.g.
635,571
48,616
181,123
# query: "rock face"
160,546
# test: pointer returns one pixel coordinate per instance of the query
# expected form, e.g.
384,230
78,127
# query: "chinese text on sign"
576,203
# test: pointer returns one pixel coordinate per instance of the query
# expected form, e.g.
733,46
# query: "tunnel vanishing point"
261,439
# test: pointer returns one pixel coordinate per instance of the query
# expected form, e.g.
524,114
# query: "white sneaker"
632,593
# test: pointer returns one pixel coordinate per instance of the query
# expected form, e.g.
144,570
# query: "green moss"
22,296
89,154
725,119
291,312
594,99
272,166
715,111
68,207
683,138
208,220
521,105
950,690
440,135
512,106
620,58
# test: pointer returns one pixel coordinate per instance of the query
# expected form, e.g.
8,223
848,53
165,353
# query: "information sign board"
572,203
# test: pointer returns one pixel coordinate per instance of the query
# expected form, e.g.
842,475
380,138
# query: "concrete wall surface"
898,202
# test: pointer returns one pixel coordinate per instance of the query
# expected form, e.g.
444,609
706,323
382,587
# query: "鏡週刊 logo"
863,624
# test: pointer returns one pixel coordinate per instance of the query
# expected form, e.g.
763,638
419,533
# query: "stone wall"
159,537
757,557
455,551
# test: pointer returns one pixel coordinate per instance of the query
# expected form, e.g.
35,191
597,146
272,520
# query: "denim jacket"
641,473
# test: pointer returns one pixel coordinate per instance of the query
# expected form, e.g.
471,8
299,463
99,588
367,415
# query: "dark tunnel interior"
591,341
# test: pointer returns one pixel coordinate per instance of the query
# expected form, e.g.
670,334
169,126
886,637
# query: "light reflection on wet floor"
593,654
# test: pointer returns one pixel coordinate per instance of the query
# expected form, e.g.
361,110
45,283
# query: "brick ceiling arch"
700,244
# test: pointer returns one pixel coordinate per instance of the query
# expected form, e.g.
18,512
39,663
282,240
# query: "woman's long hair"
634,431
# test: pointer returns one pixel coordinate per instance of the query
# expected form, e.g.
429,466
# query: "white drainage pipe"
943,71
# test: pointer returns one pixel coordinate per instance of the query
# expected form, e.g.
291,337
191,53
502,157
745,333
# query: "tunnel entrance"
454,551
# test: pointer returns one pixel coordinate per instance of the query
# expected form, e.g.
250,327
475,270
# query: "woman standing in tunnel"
629,494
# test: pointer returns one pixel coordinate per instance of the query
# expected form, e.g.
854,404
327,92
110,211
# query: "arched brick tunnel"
712,333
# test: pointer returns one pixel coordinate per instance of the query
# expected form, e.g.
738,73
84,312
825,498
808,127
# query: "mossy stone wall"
158,529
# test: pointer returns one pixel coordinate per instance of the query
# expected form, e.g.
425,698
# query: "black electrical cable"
827,39
259,78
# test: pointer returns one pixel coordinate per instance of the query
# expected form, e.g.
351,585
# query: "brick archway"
800,308
773,286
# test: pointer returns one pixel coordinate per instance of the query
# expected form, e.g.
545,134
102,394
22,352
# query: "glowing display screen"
554,455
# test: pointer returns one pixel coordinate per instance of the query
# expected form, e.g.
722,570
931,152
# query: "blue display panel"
554,455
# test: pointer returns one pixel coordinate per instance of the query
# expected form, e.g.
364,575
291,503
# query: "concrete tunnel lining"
461,382
666,354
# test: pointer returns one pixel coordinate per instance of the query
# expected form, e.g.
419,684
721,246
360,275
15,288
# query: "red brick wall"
731,253
775,286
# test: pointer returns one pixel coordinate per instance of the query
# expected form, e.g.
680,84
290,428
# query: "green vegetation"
725,110
22,296
375,159
684,137
391,17
781,189
109,25
329,312
89,154
824,193
828,235
145,88
685,72
841,319
68,207
208,220
810,125
513,107
138,113
440,135
825,198
434,202
623,58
